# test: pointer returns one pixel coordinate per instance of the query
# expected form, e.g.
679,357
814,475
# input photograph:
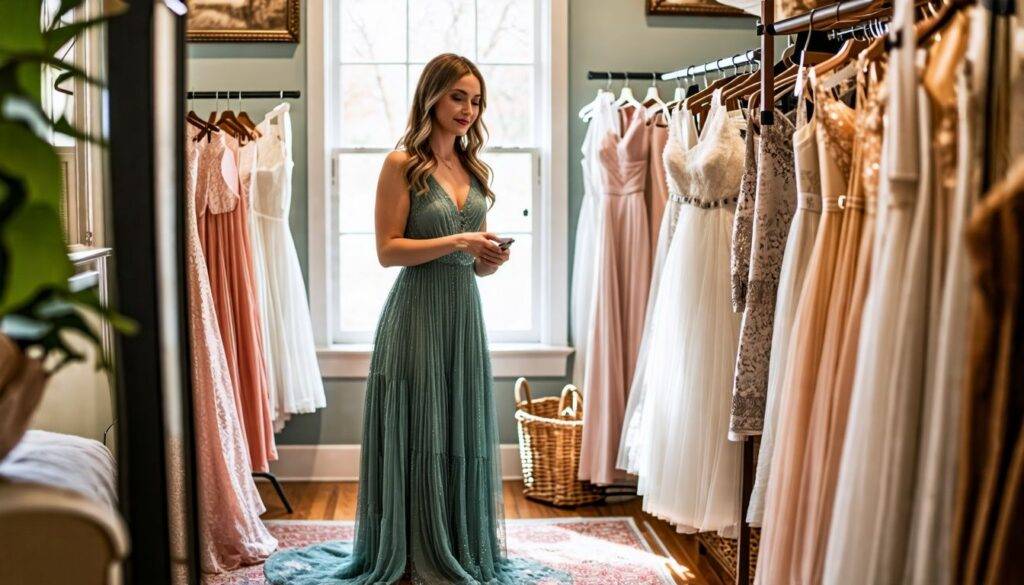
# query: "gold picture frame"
256,21
692,8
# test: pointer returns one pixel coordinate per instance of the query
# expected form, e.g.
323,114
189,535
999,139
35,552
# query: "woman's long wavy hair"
438,77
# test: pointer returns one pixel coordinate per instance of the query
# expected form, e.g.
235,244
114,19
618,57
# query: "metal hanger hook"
810,29
608,86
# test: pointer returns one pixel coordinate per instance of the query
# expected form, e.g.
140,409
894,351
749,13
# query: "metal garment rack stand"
261,94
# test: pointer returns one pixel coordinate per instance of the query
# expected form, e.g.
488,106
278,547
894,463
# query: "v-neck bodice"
435,214
624,155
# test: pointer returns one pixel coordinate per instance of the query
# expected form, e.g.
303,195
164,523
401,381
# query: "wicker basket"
550,435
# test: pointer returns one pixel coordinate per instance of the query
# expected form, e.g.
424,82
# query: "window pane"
506,31
357,190
363,284
512,183
510,97
373,105
441,26
368,31
507,294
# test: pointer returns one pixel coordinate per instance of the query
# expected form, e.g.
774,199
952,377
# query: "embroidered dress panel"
773,209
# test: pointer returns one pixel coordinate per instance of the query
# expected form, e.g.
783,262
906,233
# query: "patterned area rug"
595,551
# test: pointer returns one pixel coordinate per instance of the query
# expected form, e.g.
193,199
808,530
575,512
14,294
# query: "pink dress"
620,295
230,528
222,212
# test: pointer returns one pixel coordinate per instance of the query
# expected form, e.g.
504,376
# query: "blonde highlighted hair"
438,77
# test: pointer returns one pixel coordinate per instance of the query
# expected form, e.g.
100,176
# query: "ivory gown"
688,469
682,135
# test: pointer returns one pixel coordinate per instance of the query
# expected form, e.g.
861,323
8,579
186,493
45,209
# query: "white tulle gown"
688,469
682,136
293,373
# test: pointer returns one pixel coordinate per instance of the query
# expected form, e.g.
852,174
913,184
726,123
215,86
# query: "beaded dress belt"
698,202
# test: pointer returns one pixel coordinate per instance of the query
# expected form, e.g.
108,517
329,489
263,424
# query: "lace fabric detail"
743,222
775,204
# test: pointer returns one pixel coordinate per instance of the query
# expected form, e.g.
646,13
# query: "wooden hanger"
233,126
929,28
246,121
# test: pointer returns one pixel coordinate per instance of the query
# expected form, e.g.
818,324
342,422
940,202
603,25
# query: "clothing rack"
626,75
253,94
244,94
747,57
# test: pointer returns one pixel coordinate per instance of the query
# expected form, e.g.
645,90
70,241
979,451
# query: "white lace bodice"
709,174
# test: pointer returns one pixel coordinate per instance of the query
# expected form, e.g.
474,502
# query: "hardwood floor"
337,501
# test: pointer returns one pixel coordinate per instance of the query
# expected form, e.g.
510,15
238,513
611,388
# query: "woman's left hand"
490,261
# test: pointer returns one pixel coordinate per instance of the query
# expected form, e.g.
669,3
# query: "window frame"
548,354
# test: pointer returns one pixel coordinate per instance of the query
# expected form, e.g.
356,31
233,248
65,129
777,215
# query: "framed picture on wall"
243,20
692,7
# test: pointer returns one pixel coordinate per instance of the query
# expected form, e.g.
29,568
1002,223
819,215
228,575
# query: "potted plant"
38,310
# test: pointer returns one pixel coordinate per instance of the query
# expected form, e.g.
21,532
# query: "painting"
243,20
692,7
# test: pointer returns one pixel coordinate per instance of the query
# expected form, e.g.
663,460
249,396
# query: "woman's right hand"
478,244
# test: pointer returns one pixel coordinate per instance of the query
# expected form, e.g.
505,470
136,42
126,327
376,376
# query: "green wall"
603,34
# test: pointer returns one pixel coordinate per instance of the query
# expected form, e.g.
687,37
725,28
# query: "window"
372,53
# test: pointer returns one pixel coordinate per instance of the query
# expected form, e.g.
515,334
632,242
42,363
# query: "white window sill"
508,360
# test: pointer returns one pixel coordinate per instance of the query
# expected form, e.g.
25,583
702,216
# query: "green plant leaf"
65,7
36,255
64,127
57,37
89,300
30,159
20,30
46,59
30,80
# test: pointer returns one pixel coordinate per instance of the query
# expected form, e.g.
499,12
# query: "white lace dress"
688,469
682,136
293,373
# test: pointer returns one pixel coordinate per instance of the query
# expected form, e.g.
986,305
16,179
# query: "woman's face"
459,107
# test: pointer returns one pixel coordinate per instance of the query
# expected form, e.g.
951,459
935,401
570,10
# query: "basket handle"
577,400
522,386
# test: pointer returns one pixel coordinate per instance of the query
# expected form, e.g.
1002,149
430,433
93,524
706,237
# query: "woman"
429,484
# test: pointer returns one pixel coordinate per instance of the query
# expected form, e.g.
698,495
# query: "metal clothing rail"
626,75
825,17
752,56
245,94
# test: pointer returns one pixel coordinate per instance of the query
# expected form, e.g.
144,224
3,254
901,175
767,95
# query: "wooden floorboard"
337,501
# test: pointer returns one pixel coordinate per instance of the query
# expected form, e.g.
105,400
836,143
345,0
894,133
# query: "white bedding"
65,461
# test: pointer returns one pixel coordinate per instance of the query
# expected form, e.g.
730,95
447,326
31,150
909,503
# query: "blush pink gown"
224,234
620,295
231,532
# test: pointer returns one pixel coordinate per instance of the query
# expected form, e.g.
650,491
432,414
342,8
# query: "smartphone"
504,243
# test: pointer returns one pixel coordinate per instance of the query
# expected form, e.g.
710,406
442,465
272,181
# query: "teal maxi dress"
429,475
